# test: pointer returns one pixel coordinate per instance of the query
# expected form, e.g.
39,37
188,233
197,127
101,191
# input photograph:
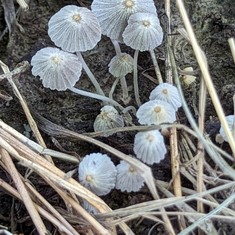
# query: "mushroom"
97,173
57,69
143,33
128,178
155,112
107,119
114,14
60,70
231,123
119,67
76,29
149,146
168,93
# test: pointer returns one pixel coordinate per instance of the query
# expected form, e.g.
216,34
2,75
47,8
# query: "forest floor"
213,22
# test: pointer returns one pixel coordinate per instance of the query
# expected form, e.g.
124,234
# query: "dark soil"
214,23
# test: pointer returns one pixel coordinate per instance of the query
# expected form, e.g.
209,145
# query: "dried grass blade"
22,191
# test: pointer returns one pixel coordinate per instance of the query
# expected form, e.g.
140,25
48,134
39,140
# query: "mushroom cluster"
75,30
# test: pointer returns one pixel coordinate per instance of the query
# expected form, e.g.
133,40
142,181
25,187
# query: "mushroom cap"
230,119
97,173
57,69
143,31
149,146
168,93
74,29
155,112
128,178
107,119
114,14
121,65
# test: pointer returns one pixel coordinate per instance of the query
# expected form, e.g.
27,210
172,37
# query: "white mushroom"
97,173
107,119
155,112
128,178
57,69
149,146
119,67
168,93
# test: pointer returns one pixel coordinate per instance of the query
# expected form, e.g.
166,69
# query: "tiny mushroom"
168,93
119,67
143,33
155,112
149,146
60,70
231,123
128,178
57,69
107,119
97,173
76,29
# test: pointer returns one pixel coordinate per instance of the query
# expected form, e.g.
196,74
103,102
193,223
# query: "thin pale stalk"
135,78
231,42
90,74
206,76
175,164
156,67
125,95
116,47
200,162
113,88
23,192
96,96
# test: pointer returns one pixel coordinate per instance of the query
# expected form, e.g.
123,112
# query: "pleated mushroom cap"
57,69
107,119
97,173
128,178
155,112
230,119
168,93
121,65
114,14
149,146
74,29
143,32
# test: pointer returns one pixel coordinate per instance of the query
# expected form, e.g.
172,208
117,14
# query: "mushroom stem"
116,47
113,88
125,95
96,96
156,67
135,78
90,74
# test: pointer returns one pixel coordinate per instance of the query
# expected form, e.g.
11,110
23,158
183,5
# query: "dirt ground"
214,23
